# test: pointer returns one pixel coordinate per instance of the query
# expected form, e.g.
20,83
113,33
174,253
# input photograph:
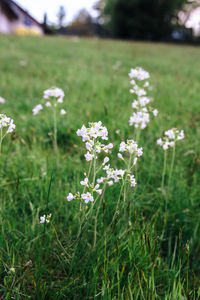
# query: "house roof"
11,9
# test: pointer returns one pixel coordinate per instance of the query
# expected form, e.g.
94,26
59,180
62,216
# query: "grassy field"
153,256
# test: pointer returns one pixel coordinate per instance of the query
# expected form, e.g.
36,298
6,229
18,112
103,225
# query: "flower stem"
172,164
95,224
94,167
1,138
164,171
55,132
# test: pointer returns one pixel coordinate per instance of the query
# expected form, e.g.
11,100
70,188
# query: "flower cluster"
86,196
6,122
2,100
45,218
92,137
170,138
52,97
141,115
130,147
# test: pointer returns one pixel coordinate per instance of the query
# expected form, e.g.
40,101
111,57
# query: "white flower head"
45,218
2,100
37,108
48,104
70,197
87,197
6,122
84,182
106,159
63,112
54,92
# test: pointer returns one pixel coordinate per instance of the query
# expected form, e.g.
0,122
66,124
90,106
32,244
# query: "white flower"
45,218
139,74
159,142
84,182
155,112
42,219
165,146
7,122
170,133
89,156
133,82
120,156
122,147
171,136
131,147
48,104
60,100
97,190
135,104
106,159
11,126
83,133
110,183
36,109
63,112
70,197
100,180
132,181
139,118
54,92
2,100
180,135
87,197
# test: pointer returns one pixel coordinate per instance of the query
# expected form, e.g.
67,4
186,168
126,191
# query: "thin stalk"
128,170
59,242
88,175
164,171
55,132
137,138
95,224
172,164
1,139
94,167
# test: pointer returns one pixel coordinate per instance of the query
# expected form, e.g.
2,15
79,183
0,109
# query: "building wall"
9,27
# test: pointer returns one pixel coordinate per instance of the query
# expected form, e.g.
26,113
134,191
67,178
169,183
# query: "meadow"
148,249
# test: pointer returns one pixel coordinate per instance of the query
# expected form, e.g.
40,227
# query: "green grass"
156,256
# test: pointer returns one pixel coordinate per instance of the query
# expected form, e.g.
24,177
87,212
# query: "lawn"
151,249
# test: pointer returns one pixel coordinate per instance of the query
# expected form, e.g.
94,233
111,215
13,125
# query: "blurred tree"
82,24
61,15
140,19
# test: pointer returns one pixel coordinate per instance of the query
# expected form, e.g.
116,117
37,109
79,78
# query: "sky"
37,8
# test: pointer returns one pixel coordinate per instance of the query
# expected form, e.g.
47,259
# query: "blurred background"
156,20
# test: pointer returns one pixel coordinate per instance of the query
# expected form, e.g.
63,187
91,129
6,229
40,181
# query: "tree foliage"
140,19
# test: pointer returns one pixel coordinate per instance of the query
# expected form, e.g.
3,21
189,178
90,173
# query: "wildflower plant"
93,186
52,99
142,103
93,137
6,126
169,140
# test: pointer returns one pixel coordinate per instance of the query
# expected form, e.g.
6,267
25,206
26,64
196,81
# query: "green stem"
0,140
164,171
55,132
95,224
172,164
59,242
94,168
